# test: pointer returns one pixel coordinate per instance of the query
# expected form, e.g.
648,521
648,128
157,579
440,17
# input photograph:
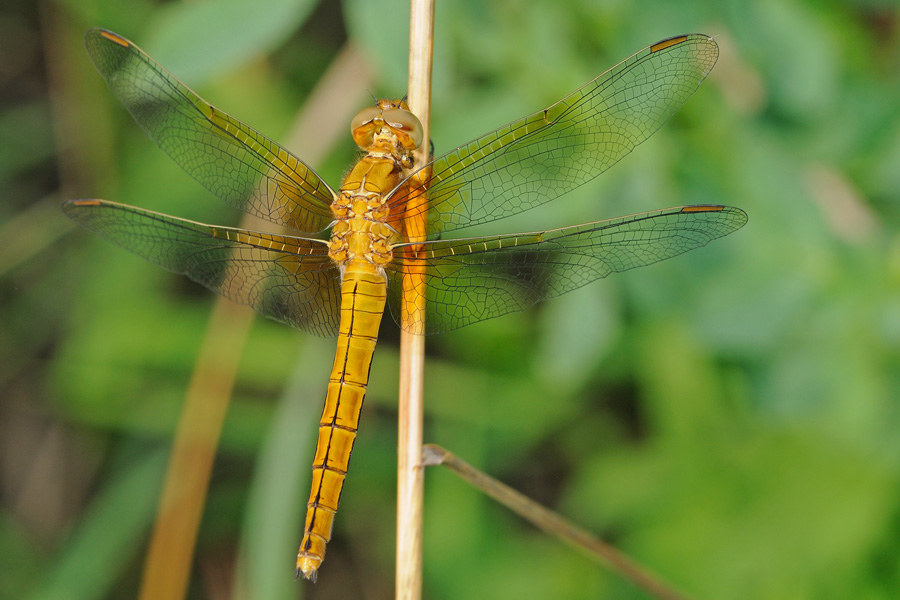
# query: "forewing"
236,163
542,156
471,280
289,279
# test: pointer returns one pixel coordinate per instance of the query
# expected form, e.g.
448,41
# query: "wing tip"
736,216
667,43
71,208
701,208
680,39
78,203
111,36
115,38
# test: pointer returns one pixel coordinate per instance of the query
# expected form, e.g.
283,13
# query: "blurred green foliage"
729,417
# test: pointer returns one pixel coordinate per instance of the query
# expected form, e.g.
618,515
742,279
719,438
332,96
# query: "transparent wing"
544,155
289,279
233,161
471,280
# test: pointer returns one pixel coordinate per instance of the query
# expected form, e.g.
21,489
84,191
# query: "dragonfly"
377,240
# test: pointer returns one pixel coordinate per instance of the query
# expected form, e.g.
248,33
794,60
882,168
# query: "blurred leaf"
273,521
17,548
200,40
109,535
801,66
25,139
382,30
578,329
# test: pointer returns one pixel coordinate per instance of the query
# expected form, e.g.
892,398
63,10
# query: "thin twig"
410,476
551,522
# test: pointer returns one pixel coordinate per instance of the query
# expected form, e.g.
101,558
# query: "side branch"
551,522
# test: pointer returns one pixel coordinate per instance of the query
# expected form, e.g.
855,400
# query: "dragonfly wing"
233,161
542,156
471,280
289,279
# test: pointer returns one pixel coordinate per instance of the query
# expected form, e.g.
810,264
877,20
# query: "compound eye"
405,121
366,115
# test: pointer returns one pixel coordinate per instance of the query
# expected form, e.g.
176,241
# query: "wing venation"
233,161
471,280
540,157
289,279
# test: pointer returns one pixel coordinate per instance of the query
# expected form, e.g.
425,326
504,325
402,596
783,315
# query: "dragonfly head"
391,115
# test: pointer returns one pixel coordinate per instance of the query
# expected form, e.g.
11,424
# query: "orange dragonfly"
383,220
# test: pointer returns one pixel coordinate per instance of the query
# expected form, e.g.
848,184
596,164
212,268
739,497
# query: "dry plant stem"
410,475
319,126
551,523
168,564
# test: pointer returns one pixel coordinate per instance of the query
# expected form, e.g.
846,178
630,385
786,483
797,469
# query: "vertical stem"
168,563
410,473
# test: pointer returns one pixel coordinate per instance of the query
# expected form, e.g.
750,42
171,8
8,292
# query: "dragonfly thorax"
361,210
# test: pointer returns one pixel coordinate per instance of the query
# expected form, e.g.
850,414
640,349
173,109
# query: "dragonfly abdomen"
363,295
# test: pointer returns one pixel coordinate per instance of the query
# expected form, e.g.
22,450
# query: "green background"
730,418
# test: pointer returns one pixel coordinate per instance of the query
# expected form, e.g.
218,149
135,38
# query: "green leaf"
109,535
199,40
